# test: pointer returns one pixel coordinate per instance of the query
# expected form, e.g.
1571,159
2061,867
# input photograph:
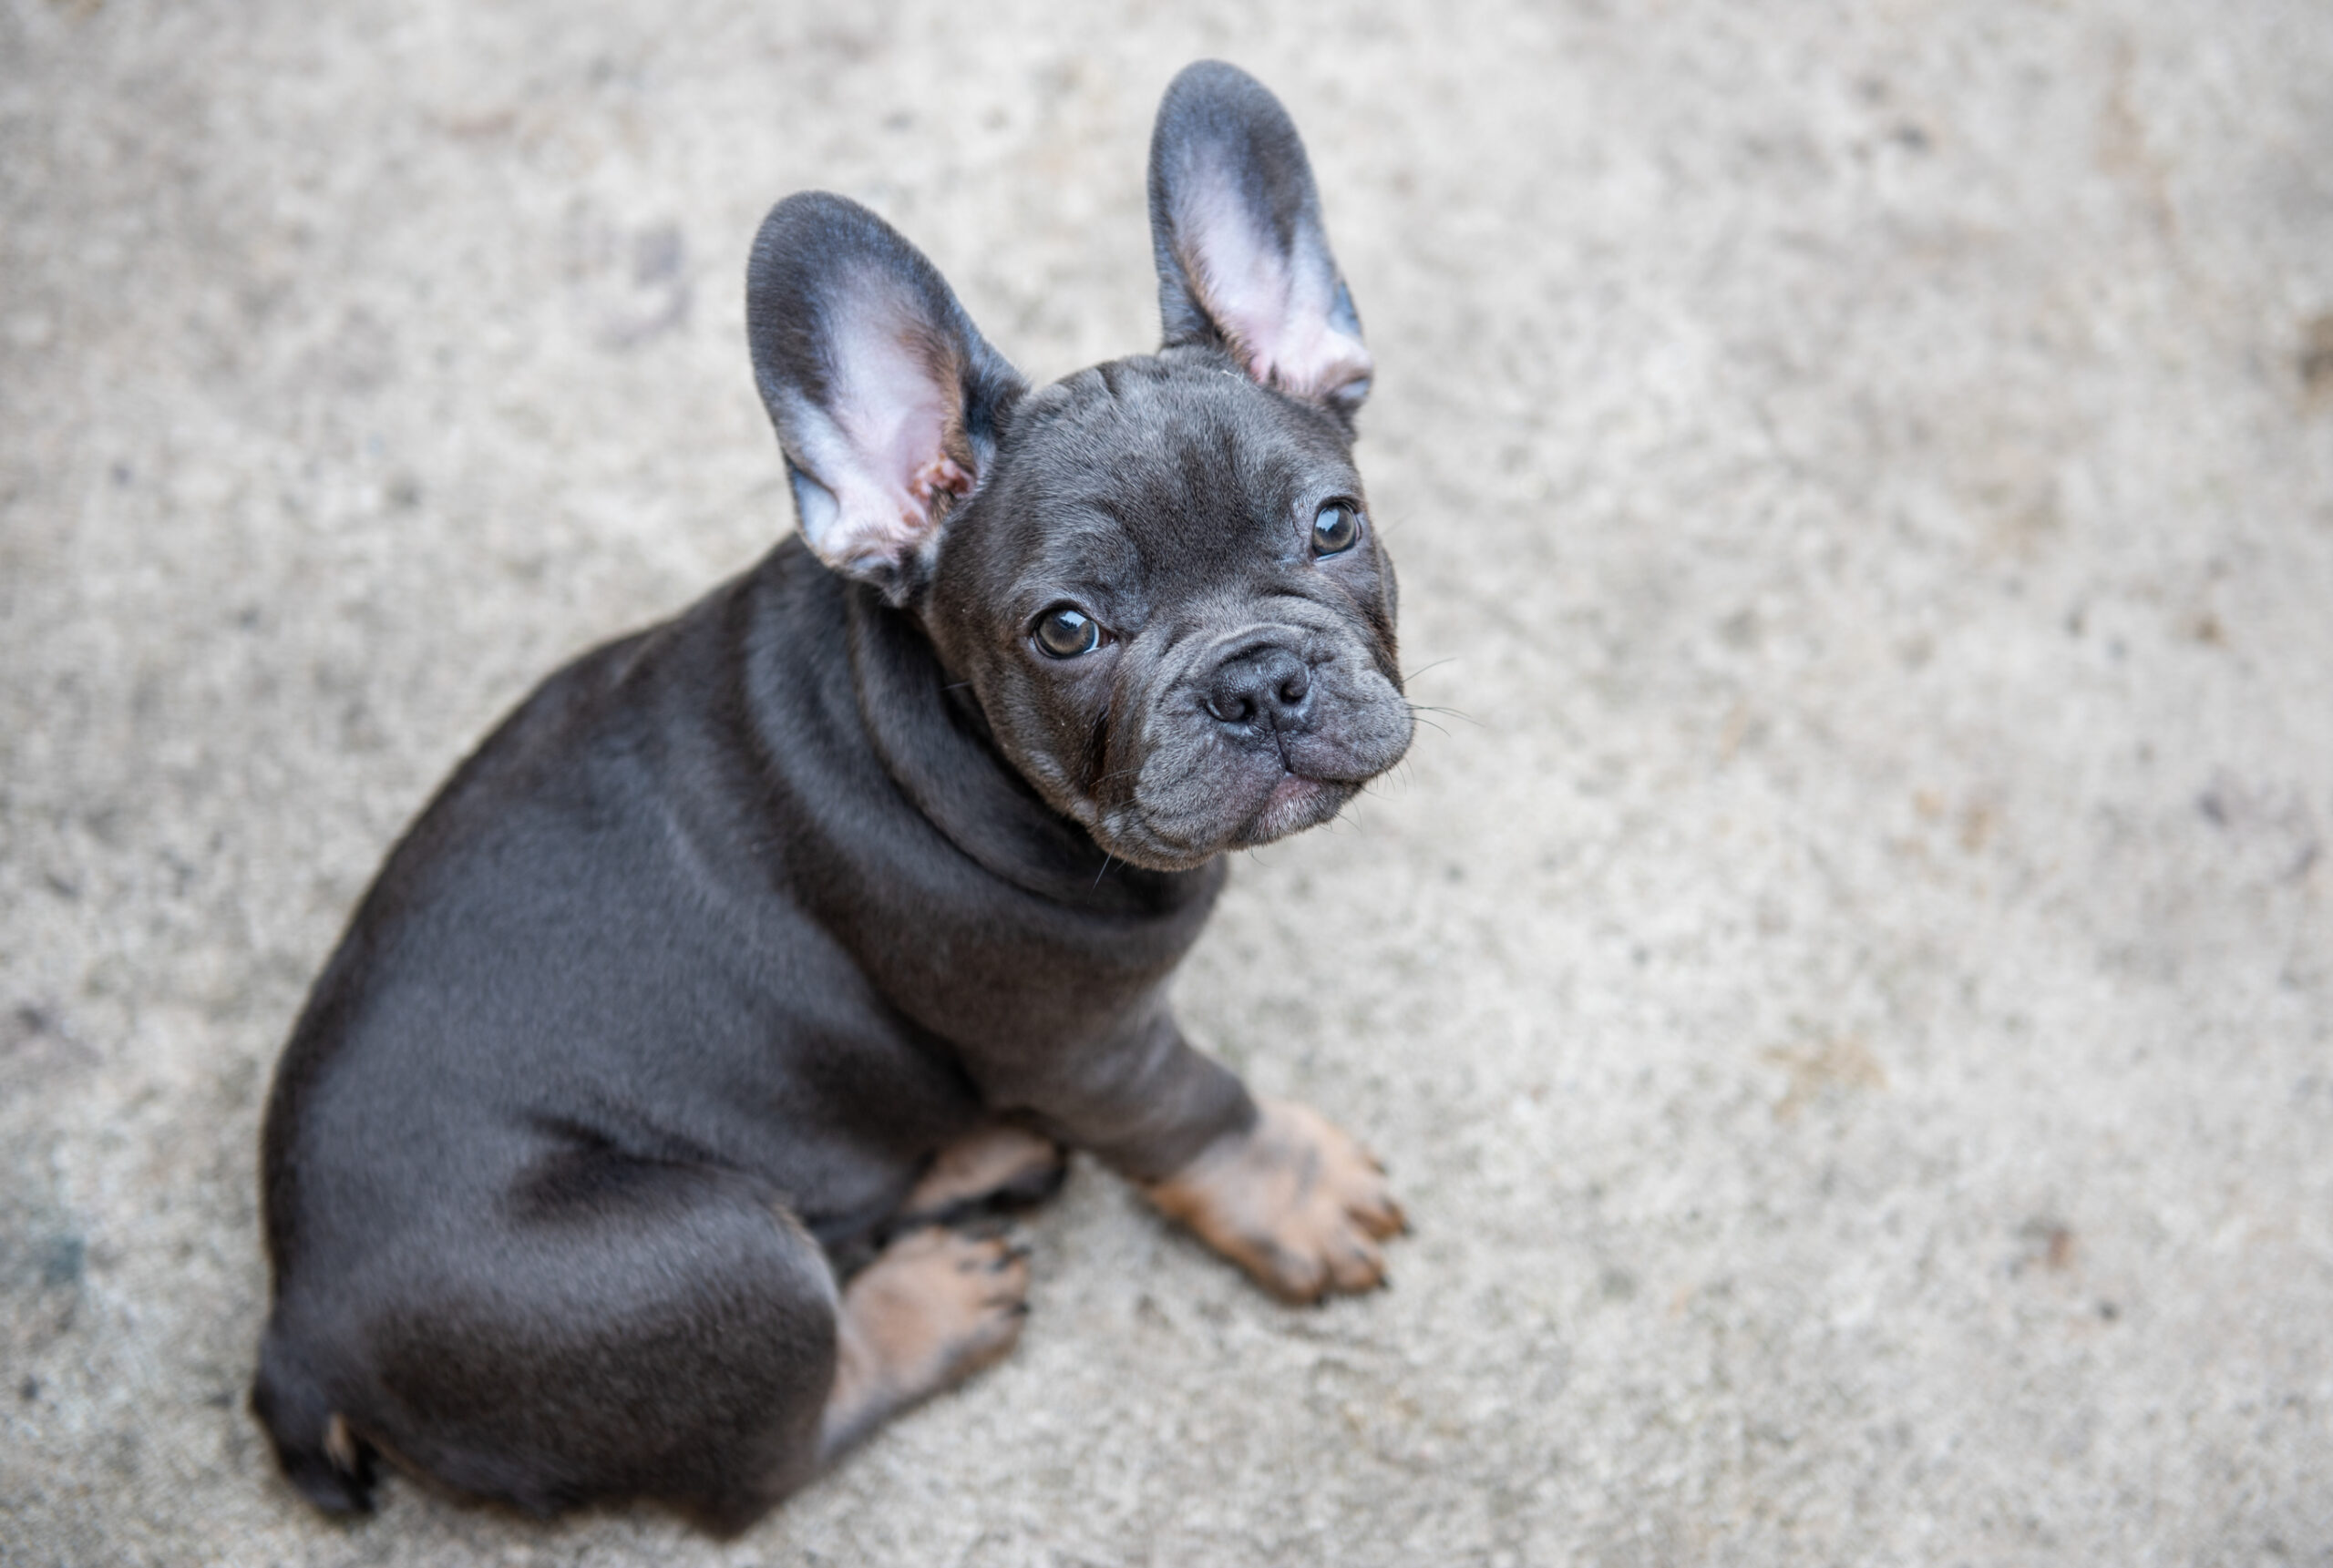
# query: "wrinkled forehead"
1160,467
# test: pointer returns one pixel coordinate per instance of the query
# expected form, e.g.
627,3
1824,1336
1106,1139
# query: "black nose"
1269,686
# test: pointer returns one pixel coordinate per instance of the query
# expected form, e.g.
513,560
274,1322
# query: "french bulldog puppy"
624,1147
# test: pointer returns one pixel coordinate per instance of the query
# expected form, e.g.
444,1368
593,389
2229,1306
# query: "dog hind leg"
609,1328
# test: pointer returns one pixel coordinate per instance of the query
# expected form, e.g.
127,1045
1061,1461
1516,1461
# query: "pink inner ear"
1275,306
883,456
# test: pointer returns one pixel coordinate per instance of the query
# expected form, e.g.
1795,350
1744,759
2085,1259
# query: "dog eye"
1065,633
1336,529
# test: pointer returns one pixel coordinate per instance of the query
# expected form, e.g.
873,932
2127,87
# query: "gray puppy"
625,1145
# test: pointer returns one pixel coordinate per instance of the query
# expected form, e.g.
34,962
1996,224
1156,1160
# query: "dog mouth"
1289,805
1295,804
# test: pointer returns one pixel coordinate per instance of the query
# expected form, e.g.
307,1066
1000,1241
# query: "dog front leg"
1276,1188
1142,1099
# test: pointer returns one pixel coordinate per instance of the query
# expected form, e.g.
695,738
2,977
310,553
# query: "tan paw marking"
1000,1165
340,1444
1294,1201
932,1308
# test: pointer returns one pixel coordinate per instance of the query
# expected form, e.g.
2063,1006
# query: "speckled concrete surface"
1847,990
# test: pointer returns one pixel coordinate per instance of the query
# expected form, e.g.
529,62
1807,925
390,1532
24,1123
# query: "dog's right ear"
885,398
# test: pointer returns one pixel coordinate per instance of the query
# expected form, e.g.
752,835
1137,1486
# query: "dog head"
1159,578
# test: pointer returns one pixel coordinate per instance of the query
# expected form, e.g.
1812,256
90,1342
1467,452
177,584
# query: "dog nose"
1271,686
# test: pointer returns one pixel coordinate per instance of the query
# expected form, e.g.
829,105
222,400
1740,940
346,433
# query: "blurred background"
1846,988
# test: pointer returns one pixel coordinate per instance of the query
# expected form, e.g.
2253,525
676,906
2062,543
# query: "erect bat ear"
885,398
1243,259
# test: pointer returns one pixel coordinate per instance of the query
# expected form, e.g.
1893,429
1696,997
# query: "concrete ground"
1846,987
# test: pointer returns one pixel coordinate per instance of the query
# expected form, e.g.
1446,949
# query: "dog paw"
1001,1169
1294,1201
934,1308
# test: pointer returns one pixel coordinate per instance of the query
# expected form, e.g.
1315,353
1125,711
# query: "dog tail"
330,1465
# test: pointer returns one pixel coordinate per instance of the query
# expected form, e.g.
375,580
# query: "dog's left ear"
886,398
1243,259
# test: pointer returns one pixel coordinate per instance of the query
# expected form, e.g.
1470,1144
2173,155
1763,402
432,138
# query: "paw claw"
1382,1218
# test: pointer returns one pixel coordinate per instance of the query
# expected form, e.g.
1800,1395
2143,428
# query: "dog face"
1173,606
1159,577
